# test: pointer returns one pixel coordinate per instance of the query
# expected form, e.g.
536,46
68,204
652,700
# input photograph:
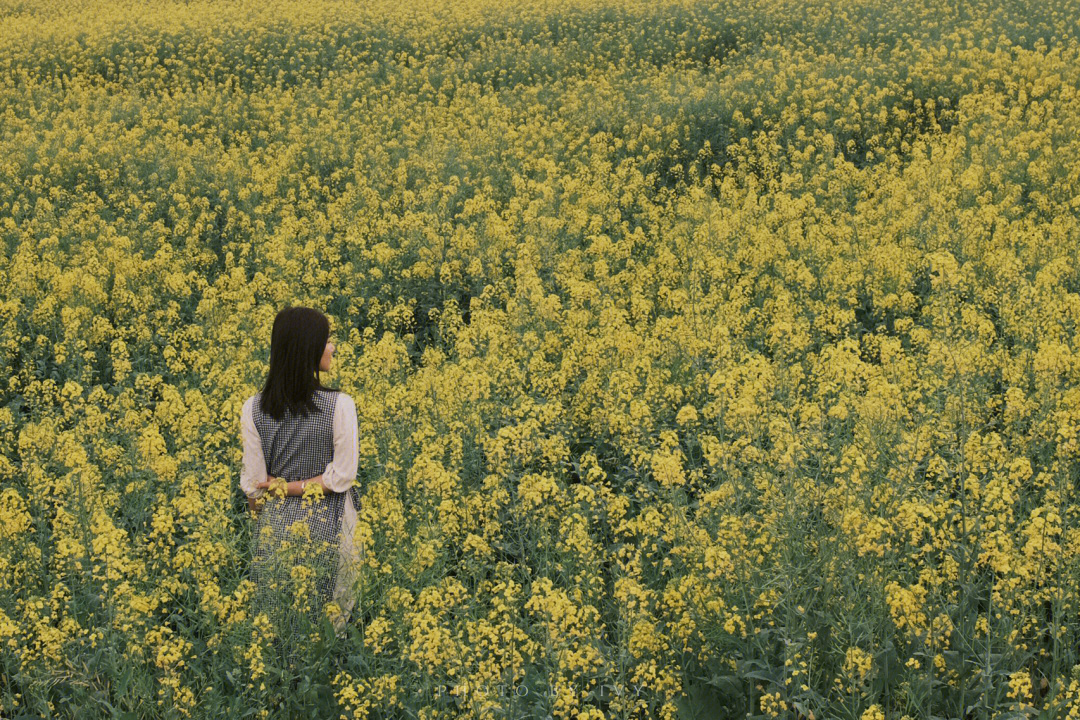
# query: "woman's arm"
293,487
253,470
340,472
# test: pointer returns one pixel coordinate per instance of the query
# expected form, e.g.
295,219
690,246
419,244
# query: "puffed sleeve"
254,468
340,472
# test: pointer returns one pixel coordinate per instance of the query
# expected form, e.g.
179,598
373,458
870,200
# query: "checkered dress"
296,541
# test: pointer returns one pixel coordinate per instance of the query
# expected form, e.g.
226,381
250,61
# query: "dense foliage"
711,360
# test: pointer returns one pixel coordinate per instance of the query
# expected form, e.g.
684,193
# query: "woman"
299,435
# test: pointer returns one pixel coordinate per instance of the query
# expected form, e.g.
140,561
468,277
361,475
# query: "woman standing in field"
300,452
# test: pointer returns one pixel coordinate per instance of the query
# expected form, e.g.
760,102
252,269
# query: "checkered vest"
297,448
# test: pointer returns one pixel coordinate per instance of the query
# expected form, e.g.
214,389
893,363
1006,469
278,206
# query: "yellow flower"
874,712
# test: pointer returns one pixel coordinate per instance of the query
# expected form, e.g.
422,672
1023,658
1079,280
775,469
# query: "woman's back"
297,447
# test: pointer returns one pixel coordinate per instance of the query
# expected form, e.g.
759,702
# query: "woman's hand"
295,487
275,486
265,484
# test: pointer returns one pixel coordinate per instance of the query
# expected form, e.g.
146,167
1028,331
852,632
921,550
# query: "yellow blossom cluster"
709,357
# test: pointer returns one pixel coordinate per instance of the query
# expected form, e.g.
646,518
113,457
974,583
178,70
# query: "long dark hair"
297,343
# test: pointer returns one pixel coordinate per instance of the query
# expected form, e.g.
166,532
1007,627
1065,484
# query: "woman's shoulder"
340,398
247,410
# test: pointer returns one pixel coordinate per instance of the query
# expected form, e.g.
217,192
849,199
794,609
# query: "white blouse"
339,476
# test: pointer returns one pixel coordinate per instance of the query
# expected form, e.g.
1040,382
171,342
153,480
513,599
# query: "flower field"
711,360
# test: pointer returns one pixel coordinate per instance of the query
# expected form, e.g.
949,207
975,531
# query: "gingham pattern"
297,448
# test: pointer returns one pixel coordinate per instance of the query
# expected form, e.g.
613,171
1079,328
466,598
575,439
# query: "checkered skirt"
296,541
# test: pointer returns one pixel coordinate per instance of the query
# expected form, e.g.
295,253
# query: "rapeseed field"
712,359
